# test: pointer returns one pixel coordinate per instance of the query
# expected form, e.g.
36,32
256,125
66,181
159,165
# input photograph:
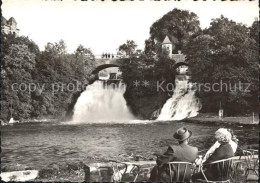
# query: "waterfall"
182,104
102,103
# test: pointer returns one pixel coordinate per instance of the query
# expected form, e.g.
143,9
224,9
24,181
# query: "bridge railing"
111,56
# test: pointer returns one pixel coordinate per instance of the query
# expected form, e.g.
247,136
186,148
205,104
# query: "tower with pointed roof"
167,45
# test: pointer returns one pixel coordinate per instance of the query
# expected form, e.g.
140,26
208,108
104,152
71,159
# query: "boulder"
19,176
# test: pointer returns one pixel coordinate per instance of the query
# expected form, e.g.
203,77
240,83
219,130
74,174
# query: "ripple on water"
39,144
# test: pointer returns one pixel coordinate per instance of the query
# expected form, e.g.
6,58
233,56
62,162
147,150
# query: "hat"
182,134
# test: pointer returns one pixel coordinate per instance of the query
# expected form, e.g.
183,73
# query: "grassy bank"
230,119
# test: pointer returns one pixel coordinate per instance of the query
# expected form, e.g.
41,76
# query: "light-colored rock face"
19,176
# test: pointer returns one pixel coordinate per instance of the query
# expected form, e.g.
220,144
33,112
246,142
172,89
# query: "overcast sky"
103,26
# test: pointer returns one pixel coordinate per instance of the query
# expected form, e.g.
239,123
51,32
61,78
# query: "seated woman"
224,151
233,142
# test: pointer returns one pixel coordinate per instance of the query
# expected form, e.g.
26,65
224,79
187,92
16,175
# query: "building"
9,26
179,57
167,45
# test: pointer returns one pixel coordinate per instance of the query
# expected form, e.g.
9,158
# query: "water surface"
38,144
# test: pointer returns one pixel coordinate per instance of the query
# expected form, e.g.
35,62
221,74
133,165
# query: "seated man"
224,151
181,152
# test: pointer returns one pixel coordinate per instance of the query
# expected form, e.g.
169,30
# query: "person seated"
181,152
233,137
233,142
224,151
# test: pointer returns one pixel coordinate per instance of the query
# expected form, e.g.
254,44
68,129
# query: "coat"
181,152
224,151
216,145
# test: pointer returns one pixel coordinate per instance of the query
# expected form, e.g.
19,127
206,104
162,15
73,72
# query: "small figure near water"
11,121
220,113
181,152
2,122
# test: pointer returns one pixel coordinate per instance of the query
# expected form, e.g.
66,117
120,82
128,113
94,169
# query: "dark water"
38,144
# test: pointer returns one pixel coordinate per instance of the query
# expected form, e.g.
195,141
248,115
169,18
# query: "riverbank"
211,118
101,172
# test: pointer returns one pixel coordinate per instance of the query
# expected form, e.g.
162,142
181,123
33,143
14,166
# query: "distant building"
167,45
179,57
9,26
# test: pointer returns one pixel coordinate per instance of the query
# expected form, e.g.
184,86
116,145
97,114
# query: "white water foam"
183,103
102,103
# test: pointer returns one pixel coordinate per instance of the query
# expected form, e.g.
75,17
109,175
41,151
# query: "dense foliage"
178,25
142,98
128,47
223,59
52,76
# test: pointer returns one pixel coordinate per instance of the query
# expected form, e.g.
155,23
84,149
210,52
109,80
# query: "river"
37,144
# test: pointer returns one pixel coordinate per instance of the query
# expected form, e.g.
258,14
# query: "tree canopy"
178,25
24,64
128,47
225,53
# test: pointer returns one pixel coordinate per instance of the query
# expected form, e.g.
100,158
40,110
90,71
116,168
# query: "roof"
178,58
12,20
166,40
3,20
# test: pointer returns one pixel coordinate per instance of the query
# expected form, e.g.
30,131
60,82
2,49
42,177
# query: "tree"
23,63
144,100
85,60
152,48
57,47
128,47
225,53
178,25
9,39
254,31
17,67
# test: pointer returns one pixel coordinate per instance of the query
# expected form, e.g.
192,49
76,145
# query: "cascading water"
182,104
102,103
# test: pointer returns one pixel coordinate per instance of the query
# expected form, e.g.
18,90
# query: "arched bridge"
180,59
103,63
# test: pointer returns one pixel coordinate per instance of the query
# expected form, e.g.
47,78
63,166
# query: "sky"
104,26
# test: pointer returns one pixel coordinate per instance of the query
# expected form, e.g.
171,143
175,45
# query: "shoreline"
240,120
201,118
90,172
